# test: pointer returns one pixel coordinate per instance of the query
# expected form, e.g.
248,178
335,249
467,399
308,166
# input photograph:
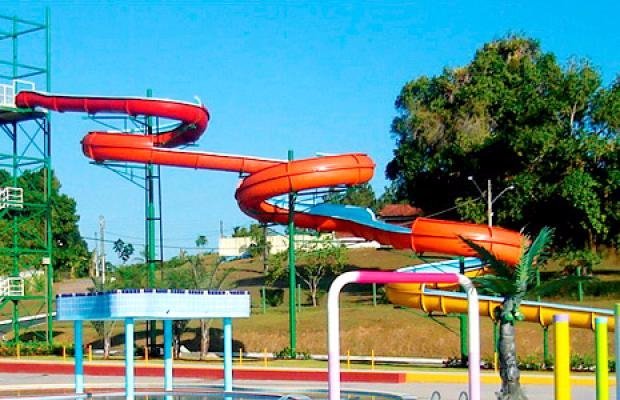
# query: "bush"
274,296
285,354
9,349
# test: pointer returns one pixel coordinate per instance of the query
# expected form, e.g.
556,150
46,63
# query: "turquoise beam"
167,354
79,357
227,354
129,362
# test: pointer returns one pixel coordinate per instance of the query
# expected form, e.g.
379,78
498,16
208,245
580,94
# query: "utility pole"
488,196
102,247
489,203
96,256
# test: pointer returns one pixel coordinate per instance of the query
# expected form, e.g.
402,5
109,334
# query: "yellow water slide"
441,300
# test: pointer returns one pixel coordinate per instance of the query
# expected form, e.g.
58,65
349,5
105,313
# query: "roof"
399,210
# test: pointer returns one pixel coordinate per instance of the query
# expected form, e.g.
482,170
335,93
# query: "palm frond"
536,251
499,267
495,285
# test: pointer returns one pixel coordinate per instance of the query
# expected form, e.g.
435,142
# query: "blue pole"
78,357
129,365
227,354
167,354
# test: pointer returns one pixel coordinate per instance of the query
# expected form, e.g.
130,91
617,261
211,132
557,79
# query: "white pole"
473,316
333,320
489,203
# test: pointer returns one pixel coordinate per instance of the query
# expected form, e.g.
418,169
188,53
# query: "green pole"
617,347
602,364
496,344
48,47
15,322
374,294
16,252
546,357
150,230
15,59
292,284
298,298
579,285
48,157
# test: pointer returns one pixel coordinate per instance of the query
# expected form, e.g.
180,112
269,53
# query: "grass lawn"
384,329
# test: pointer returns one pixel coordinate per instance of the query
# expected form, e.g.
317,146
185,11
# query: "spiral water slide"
266,179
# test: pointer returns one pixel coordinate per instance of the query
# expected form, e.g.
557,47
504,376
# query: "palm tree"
512,284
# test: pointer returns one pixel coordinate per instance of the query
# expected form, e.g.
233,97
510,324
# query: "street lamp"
489,196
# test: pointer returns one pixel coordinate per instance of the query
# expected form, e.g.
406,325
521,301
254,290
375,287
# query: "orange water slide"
266,178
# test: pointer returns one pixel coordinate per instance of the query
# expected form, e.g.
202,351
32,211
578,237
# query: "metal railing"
12,286
11,197
8,91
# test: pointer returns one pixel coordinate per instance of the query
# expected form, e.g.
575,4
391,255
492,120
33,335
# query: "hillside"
384,329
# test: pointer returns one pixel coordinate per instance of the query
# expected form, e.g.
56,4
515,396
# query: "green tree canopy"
70,253
515,116
359,195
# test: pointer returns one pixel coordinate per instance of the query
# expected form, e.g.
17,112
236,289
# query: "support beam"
167,354
78,357
129,361
227,354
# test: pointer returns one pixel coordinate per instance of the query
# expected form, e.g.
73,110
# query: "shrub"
274,296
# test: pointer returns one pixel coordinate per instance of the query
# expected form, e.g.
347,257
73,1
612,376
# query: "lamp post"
488,196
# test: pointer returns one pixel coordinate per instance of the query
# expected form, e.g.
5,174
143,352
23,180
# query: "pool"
241,395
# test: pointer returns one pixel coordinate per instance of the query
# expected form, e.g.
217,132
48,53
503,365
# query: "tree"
513,285
258,239
201,241
70,253
515,116
123,250
104,328
202,274
315,262
359,195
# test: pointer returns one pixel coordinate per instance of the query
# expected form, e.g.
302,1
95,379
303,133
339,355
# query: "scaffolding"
25,166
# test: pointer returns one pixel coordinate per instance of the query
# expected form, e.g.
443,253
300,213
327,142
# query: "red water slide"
265,178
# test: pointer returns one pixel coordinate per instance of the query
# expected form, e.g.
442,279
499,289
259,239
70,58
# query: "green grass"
384,329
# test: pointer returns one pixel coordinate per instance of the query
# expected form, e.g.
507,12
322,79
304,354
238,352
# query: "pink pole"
333,319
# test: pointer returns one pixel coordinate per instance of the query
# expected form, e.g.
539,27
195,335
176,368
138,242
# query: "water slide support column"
228,375
167,354
129,362
561,371
78,357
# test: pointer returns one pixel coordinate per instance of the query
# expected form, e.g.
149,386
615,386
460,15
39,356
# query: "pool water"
308,395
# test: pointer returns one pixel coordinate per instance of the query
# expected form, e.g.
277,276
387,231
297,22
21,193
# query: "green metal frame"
27,149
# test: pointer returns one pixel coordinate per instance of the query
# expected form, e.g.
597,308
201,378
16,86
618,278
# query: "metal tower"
25,206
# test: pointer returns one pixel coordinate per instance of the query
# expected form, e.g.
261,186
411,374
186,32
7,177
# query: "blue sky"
308,76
